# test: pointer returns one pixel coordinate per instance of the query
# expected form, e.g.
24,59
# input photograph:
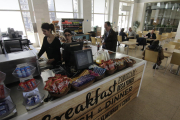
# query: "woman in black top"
51,45
123,34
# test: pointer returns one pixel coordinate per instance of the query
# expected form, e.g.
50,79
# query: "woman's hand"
50,61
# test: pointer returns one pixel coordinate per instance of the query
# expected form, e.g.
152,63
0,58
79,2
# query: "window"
99,13
124,20
63,9
17,16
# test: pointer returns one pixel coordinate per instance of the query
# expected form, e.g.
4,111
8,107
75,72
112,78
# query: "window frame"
64,11
129,3
92,13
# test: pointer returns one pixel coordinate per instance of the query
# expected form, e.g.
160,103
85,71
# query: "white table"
129,43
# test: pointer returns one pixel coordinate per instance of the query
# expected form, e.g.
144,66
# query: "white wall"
87,15
42,15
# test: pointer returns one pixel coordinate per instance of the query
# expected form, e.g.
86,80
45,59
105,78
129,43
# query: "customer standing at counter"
151,35
51,45
110,38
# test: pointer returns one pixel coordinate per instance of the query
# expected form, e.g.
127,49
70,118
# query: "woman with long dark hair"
51,45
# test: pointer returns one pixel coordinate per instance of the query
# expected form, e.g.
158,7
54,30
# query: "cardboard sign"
88,103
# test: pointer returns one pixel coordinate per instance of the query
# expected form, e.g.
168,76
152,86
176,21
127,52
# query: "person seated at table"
51,45
131,34
123,34
151,35
155,47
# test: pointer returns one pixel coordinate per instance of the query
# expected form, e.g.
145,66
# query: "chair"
93,40
119,38
168,55
173,34
140,34
174,60
177,45
151,56
178,40
12,46
99,40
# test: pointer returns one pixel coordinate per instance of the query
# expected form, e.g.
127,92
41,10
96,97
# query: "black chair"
12,46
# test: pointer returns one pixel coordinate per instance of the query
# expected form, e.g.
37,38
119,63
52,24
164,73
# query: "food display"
57,84
119,62
85,72
24,70
4,108
31,100
99,71
28,85
83,80
108,65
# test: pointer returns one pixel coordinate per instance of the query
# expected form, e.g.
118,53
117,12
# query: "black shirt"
153,35
123,35
52,50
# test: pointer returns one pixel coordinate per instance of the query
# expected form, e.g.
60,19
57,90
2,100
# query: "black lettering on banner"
57,118
110,91
96,99
89,116
89,100
79,108
47,117
108,103
68,112
116,98
103,94
99,110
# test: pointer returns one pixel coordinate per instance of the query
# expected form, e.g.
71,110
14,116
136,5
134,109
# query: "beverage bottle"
98,46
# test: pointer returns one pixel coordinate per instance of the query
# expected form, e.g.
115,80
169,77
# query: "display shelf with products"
75,25
28,86
7,107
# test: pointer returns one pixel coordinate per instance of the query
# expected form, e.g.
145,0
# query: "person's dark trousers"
150,42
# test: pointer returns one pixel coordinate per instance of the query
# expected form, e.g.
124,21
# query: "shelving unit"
27,94
6,100
75,25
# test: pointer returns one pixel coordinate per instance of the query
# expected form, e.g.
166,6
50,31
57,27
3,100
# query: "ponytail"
48,26
52,27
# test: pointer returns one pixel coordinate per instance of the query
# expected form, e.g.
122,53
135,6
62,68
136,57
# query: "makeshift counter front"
98,101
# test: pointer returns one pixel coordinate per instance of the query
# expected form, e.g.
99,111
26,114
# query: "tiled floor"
159,97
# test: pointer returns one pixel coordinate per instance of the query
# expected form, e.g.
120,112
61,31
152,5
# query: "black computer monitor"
68,52
83,59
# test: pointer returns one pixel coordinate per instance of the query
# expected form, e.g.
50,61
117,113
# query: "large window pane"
13,19
9,5
52,16
64,5
51,5
99,6
75,2
121,4
24,4
99,21
64,15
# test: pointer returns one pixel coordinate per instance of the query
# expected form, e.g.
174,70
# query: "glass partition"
162,16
